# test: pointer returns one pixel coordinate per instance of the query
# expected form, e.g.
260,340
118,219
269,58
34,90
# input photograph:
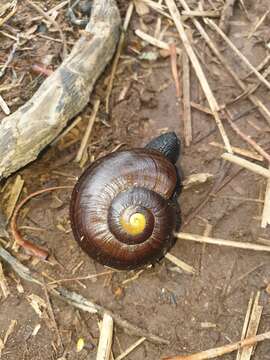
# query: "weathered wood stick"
222,350
63,94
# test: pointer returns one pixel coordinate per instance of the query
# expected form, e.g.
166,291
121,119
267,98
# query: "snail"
124,208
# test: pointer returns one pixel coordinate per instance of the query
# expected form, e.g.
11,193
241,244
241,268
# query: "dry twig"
222,350
201,13
88,131
14,195
257,102
4,106
53,22
247,164
155,42
181,264
10,14
67,130
252,328
260,66
131,348
213,25
186,100
266,208
10,56
245,326
258,24
51,314
173,54
247,138
87,277
105,339
118,54
222,242
198,70
240,151
3,283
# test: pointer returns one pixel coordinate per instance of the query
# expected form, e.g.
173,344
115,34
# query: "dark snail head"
123,212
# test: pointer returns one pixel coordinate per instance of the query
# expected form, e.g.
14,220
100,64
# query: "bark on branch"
62,95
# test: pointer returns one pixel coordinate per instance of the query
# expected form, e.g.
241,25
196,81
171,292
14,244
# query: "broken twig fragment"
222,350
252,328
186,99
105,339
181,264
247,164
266,208
222,242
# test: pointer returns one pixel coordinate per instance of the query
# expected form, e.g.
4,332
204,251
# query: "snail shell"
122,209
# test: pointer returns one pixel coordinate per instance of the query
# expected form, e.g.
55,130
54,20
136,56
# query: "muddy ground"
194,312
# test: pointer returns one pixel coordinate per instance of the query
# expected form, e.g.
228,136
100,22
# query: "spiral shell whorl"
116,187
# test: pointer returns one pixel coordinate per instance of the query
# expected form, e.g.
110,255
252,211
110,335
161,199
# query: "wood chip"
37,303
196,179
141,7
36,330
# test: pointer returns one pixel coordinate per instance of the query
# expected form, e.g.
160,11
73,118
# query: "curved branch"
63,94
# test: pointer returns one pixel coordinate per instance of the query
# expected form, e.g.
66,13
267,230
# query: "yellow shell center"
135,225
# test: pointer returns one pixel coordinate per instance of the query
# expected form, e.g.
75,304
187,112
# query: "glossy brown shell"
141,178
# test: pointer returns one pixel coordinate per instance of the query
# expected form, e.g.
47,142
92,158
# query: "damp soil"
193,312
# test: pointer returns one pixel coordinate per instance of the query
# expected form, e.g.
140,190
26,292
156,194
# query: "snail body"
123,210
